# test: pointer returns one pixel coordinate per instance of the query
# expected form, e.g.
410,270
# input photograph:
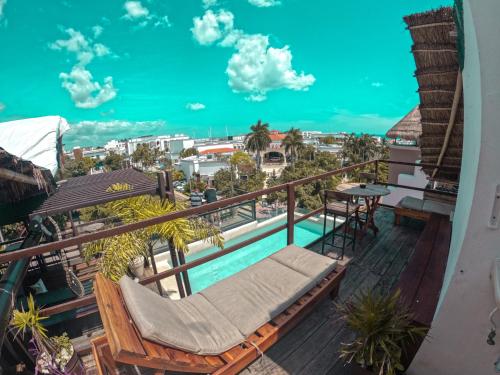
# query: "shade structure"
435,51
91,190
408,128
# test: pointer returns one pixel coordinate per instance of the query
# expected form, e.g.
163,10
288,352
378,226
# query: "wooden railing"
195,211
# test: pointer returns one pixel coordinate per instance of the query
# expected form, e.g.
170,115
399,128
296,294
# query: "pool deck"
312,347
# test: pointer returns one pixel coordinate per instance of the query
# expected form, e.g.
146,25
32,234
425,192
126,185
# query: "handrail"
289,187
192,211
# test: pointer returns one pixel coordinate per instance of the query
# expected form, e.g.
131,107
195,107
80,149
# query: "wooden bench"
422,279
123,344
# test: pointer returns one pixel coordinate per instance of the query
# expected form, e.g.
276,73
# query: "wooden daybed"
124,344
420,209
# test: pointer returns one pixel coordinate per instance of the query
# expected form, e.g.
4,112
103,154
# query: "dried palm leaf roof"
437,61
21,179
408,128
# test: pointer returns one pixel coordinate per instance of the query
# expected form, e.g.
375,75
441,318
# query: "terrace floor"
312,347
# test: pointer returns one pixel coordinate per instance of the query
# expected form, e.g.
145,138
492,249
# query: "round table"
371,194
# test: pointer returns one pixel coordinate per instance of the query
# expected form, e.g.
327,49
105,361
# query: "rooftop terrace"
312,347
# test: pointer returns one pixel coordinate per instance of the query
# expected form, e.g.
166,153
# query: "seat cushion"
191,324
257,294
438,207
306,262
411,203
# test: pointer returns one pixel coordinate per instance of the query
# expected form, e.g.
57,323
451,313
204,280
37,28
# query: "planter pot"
137,267
355,369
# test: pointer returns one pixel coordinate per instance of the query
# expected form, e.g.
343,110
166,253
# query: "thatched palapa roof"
21,179
408,128
440,89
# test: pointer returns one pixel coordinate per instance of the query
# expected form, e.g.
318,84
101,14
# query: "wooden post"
290,212
185,276
376,171
155,270
74,229
175,263
170,186
162,188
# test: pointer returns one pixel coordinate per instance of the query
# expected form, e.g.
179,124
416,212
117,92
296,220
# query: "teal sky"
116,69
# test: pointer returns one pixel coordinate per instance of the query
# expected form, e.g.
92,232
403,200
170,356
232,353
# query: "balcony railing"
207,209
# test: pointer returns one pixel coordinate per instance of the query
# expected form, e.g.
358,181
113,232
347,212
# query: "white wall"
458,335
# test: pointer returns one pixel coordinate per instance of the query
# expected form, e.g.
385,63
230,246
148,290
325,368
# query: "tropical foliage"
188,152
228,184
242,163
113,161
115,253
293,143
258,140
383,328
308,196
80,167
146,155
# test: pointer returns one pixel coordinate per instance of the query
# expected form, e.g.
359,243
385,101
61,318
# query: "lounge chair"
421,209
219,330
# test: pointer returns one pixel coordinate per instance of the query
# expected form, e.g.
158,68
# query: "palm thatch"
437,61
21,179
408,128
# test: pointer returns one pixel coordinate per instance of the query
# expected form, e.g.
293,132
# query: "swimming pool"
209,273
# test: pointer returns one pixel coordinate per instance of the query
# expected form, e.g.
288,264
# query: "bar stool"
365,178
341,205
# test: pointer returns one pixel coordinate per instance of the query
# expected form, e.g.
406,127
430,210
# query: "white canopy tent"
34,139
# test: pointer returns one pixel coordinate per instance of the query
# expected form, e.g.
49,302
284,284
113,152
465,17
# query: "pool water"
211,272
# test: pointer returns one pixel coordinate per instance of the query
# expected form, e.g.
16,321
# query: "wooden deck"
312,347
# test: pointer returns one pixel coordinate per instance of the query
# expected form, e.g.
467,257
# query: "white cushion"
257,294
438,207
306,262
411,203
191,324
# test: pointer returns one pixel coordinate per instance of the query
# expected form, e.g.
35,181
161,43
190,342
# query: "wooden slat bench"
124,344
421,281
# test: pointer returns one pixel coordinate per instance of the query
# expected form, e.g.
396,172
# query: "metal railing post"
290,207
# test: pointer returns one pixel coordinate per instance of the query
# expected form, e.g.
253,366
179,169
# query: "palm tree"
258,140
115,253
293,142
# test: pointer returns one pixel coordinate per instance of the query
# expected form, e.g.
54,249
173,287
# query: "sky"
117,69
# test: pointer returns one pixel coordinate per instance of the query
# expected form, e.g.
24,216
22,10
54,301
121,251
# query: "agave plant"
115,253
383,328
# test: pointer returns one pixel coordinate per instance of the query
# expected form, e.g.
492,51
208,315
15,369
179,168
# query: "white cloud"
97,30
135,11
255,98
209,3
82,47
257,68
195,106
2,106
377,84
91,133
85,92
264,3
101,50
212,26
2,5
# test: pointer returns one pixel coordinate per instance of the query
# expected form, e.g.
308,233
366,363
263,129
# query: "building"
201,166
404,146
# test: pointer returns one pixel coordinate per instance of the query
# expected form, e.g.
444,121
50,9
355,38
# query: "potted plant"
53,355
384,333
